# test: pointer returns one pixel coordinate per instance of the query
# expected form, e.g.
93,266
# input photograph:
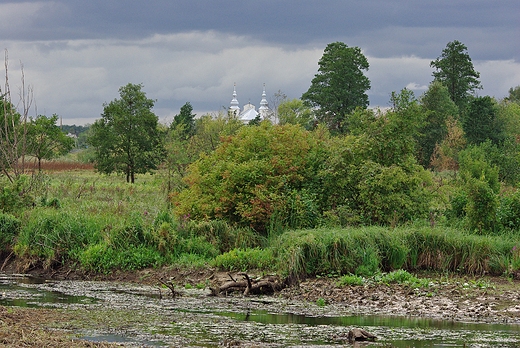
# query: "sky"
76,54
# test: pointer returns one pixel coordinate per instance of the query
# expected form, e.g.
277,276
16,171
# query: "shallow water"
135,315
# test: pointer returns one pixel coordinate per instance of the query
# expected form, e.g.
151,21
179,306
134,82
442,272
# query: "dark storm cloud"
77,53
416,27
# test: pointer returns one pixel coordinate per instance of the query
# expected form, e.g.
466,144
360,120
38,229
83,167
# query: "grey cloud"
78,53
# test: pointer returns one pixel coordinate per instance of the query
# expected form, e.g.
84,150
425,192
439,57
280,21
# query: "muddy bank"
490,300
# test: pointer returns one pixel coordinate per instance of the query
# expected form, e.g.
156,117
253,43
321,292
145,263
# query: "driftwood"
360,335
169,284
248,286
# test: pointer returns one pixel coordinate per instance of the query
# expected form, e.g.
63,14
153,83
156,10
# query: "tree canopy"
437,106
340,85
455,70
45,139
480,121
127,139
185,120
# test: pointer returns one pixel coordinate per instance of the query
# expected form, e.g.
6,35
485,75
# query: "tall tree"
438,106
340,85
480,121
186,120
455,70
127,139
45,139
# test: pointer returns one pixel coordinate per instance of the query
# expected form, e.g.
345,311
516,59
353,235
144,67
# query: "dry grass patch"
25,327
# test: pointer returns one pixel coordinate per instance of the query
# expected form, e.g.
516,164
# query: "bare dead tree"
275,101
13,131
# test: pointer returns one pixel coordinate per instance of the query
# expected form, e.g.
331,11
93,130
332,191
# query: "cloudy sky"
76,53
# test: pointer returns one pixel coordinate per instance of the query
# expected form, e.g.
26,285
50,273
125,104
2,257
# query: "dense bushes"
286,177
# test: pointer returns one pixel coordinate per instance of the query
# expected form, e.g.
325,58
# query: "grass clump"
9,228
245,259
350,280
403,277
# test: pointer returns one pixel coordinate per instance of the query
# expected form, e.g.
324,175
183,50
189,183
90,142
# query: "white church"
249,112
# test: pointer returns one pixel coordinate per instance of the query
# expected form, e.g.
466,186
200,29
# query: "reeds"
367,251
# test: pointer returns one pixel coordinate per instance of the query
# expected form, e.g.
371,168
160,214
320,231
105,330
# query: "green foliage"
49,235
508,212
16,196
307,253
104,258
364,252
127,138
404,277
481,186
185,121
505,157
475,165
389,195
252,175
245,259
321,302
438,107
45,139
350,280
390,138
12,136
454,69
294,111
9,229
458,203
180,152
514,95
482,206
480,121
339,87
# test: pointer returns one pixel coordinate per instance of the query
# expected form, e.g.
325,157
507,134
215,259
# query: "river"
147,316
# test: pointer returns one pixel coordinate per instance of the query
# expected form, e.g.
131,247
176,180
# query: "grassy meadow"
100,223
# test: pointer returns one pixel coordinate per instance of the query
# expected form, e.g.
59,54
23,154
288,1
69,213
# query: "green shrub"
16,195
307,253
350,280
104,258
482,206
9,229
49,235
403,277
508,212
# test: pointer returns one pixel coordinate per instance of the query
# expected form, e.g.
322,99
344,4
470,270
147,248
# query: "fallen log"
248,286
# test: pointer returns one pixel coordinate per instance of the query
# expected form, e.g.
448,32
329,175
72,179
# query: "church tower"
234,109
263,110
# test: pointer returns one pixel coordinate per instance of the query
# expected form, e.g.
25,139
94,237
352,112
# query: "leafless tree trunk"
13,130
277,98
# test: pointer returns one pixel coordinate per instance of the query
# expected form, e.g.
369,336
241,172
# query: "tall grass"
367,251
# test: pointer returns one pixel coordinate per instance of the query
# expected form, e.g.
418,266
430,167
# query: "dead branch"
169,284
